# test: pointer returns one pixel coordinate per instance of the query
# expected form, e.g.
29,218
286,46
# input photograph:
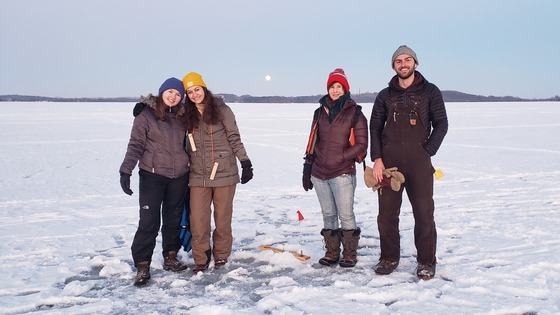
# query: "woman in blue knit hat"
157,145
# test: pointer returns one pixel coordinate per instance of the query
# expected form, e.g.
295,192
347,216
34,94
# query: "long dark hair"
159,109
211,114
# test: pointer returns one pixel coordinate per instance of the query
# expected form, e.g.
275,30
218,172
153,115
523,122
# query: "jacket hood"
151,101
219,100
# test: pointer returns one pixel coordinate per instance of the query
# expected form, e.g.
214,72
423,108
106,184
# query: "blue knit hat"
172,83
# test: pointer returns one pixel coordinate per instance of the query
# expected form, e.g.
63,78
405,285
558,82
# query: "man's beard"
406,75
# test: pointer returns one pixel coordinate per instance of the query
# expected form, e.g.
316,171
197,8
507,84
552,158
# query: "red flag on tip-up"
299,215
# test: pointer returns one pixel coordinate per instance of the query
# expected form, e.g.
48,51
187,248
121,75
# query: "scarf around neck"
334,107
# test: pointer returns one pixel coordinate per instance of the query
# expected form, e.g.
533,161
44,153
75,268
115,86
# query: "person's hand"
125,183
246,172
306,179
138,108
378,167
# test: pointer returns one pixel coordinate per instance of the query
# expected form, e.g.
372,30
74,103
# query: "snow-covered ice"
66,227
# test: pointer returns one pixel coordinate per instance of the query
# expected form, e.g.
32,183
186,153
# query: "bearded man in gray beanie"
407,126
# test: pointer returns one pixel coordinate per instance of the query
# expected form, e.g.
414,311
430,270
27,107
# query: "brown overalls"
403,138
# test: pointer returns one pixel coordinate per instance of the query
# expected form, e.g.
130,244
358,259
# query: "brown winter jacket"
333,154
424,97
158,145
217,143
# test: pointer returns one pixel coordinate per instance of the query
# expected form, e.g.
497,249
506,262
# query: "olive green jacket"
218,143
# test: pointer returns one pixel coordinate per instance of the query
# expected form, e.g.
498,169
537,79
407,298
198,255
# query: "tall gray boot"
332,245
350,240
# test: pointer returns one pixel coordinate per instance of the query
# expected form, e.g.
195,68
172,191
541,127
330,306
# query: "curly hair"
210,116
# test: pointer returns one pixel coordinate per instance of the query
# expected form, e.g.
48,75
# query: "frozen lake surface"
66,226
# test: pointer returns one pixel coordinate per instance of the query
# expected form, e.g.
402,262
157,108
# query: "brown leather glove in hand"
391,178
368,177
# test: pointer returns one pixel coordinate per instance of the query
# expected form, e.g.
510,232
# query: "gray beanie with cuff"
403,49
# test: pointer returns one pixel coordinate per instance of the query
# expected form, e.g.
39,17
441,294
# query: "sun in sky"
267,77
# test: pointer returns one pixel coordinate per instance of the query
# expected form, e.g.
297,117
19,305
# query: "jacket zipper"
203,152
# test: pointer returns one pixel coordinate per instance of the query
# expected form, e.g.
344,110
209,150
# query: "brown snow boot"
142,273
350,240
204,267
171,263
332,245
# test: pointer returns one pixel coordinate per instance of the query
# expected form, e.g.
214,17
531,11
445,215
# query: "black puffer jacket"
158,145
424,97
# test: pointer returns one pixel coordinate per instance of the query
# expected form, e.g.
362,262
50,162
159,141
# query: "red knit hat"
338,76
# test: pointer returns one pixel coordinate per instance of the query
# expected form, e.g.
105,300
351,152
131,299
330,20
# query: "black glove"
125,183
138,108
306,179
247,172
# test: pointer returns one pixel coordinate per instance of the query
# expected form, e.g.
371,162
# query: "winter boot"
426,272
386,266
203,267
142,273
350,240
220,262
332,244
171,263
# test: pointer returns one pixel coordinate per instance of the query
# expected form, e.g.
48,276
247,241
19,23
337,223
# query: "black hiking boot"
142,273
171,263
426,272
386,266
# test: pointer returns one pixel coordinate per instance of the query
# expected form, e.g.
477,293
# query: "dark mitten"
247,171
125,183
138,108
306,179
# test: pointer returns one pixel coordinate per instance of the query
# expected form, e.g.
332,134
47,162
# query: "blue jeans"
336,197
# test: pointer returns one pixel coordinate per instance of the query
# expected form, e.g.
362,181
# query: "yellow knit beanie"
193,79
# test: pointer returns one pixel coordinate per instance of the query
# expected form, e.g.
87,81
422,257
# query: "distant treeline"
448,96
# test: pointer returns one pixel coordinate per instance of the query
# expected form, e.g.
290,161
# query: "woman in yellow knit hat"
214,147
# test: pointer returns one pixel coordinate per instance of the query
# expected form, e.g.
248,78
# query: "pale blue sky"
102,48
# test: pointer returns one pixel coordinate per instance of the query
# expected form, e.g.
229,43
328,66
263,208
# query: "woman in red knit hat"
330,167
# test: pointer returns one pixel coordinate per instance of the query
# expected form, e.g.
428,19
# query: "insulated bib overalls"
403,139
